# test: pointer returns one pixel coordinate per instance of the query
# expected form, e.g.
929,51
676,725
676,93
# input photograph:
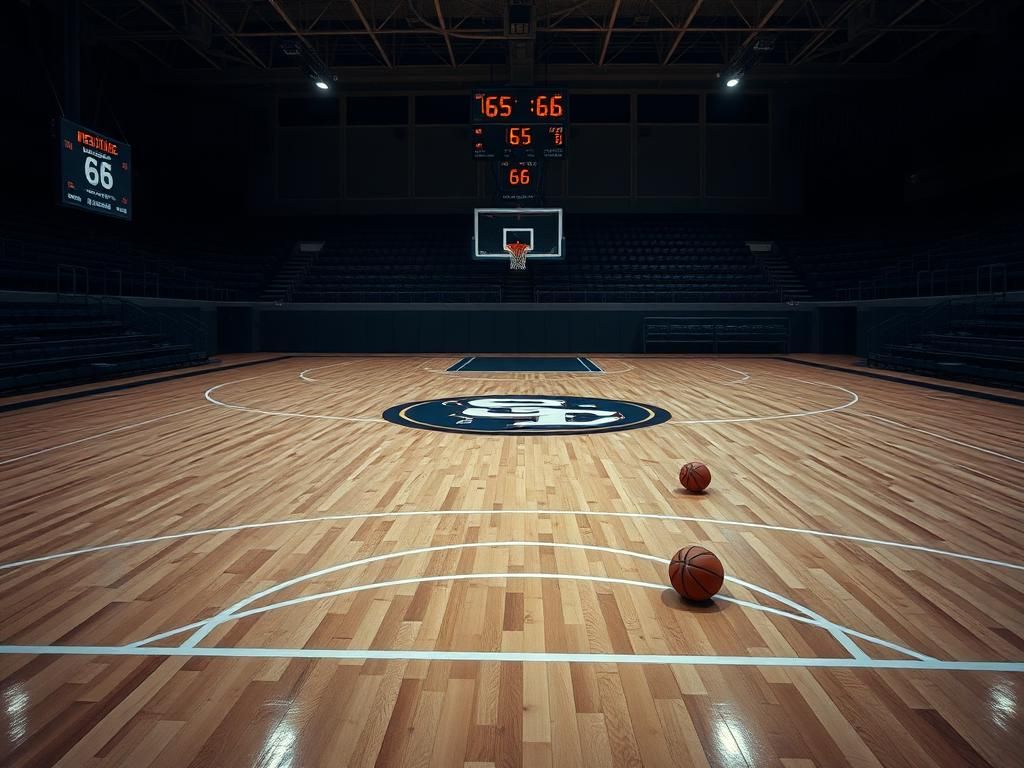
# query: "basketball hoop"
517,254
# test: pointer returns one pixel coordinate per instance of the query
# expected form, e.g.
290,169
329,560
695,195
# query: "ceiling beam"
370,31
764,21
822,37
444,31
679,36
218,20
178,36
497,35
608,33
906,52
878,36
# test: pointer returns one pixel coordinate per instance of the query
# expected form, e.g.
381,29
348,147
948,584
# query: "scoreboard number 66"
97,173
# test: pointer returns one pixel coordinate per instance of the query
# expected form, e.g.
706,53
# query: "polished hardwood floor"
269,574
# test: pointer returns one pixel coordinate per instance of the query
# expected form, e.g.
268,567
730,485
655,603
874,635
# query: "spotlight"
732,82
312,65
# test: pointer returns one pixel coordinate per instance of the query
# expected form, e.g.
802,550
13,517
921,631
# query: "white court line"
469,576
230,613
511,656
559,512
587,363
347,361
853,395
101,434
854,399
744,374
459,368
838,631
213,400
570,376
945,438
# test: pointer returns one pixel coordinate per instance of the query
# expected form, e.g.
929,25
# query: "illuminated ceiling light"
732,82
321,85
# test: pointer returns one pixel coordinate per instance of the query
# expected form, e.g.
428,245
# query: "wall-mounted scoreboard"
95,171
519,128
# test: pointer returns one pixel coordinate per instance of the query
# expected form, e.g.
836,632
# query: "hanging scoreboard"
518,129
95,172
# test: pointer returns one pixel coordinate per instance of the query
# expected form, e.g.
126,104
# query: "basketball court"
511,384
269,565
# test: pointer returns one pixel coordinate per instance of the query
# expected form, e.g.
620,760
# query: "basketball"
694,476
696,573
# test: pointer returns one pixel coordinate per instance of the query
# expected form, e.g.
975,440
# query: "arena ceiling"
599,39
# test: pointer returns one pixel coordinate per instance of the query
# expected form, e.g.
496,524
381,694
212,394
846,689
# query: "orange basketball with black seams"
696,573
695,476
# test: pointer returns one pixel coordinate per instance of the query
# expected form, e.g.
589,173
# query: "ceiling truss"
795,37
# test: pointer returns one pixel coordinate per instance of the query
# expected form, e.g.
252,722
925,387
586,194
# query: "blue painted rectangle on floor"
526,365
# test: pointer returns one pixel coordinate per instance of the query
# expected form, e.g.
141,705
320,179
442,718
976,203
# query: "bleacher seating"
931,257
716,334
65,344
985,347
624,260
654,259
36,258
634,259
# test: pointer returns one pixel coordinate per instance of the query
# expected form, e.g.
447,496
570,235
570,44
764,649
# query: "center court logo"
526,415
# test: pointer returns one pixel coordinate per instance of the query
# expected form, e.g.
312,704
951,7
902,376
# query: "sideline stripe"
578,658
101,434
938,436
132,384
912,382
633,515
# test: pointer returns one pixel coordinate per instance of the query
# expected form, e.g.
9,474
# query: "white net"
517,254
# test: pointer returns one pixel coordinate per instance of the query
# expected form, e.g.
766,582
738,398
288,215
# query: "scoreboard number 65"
97,173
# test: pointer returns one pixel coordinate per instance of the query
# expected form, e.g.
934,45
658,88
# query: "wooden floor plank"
902,465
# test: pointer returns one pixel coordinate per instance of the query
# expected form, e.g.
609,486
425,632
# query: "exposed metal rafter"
932,35
831,27
761,25
370,31
881,33
229,33
665,35
444,31
685,28
177,34
608,32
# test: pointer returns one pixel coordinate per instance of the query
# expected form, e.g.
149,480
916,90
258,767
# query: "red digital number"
496,106
519,137
549,106
519,177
